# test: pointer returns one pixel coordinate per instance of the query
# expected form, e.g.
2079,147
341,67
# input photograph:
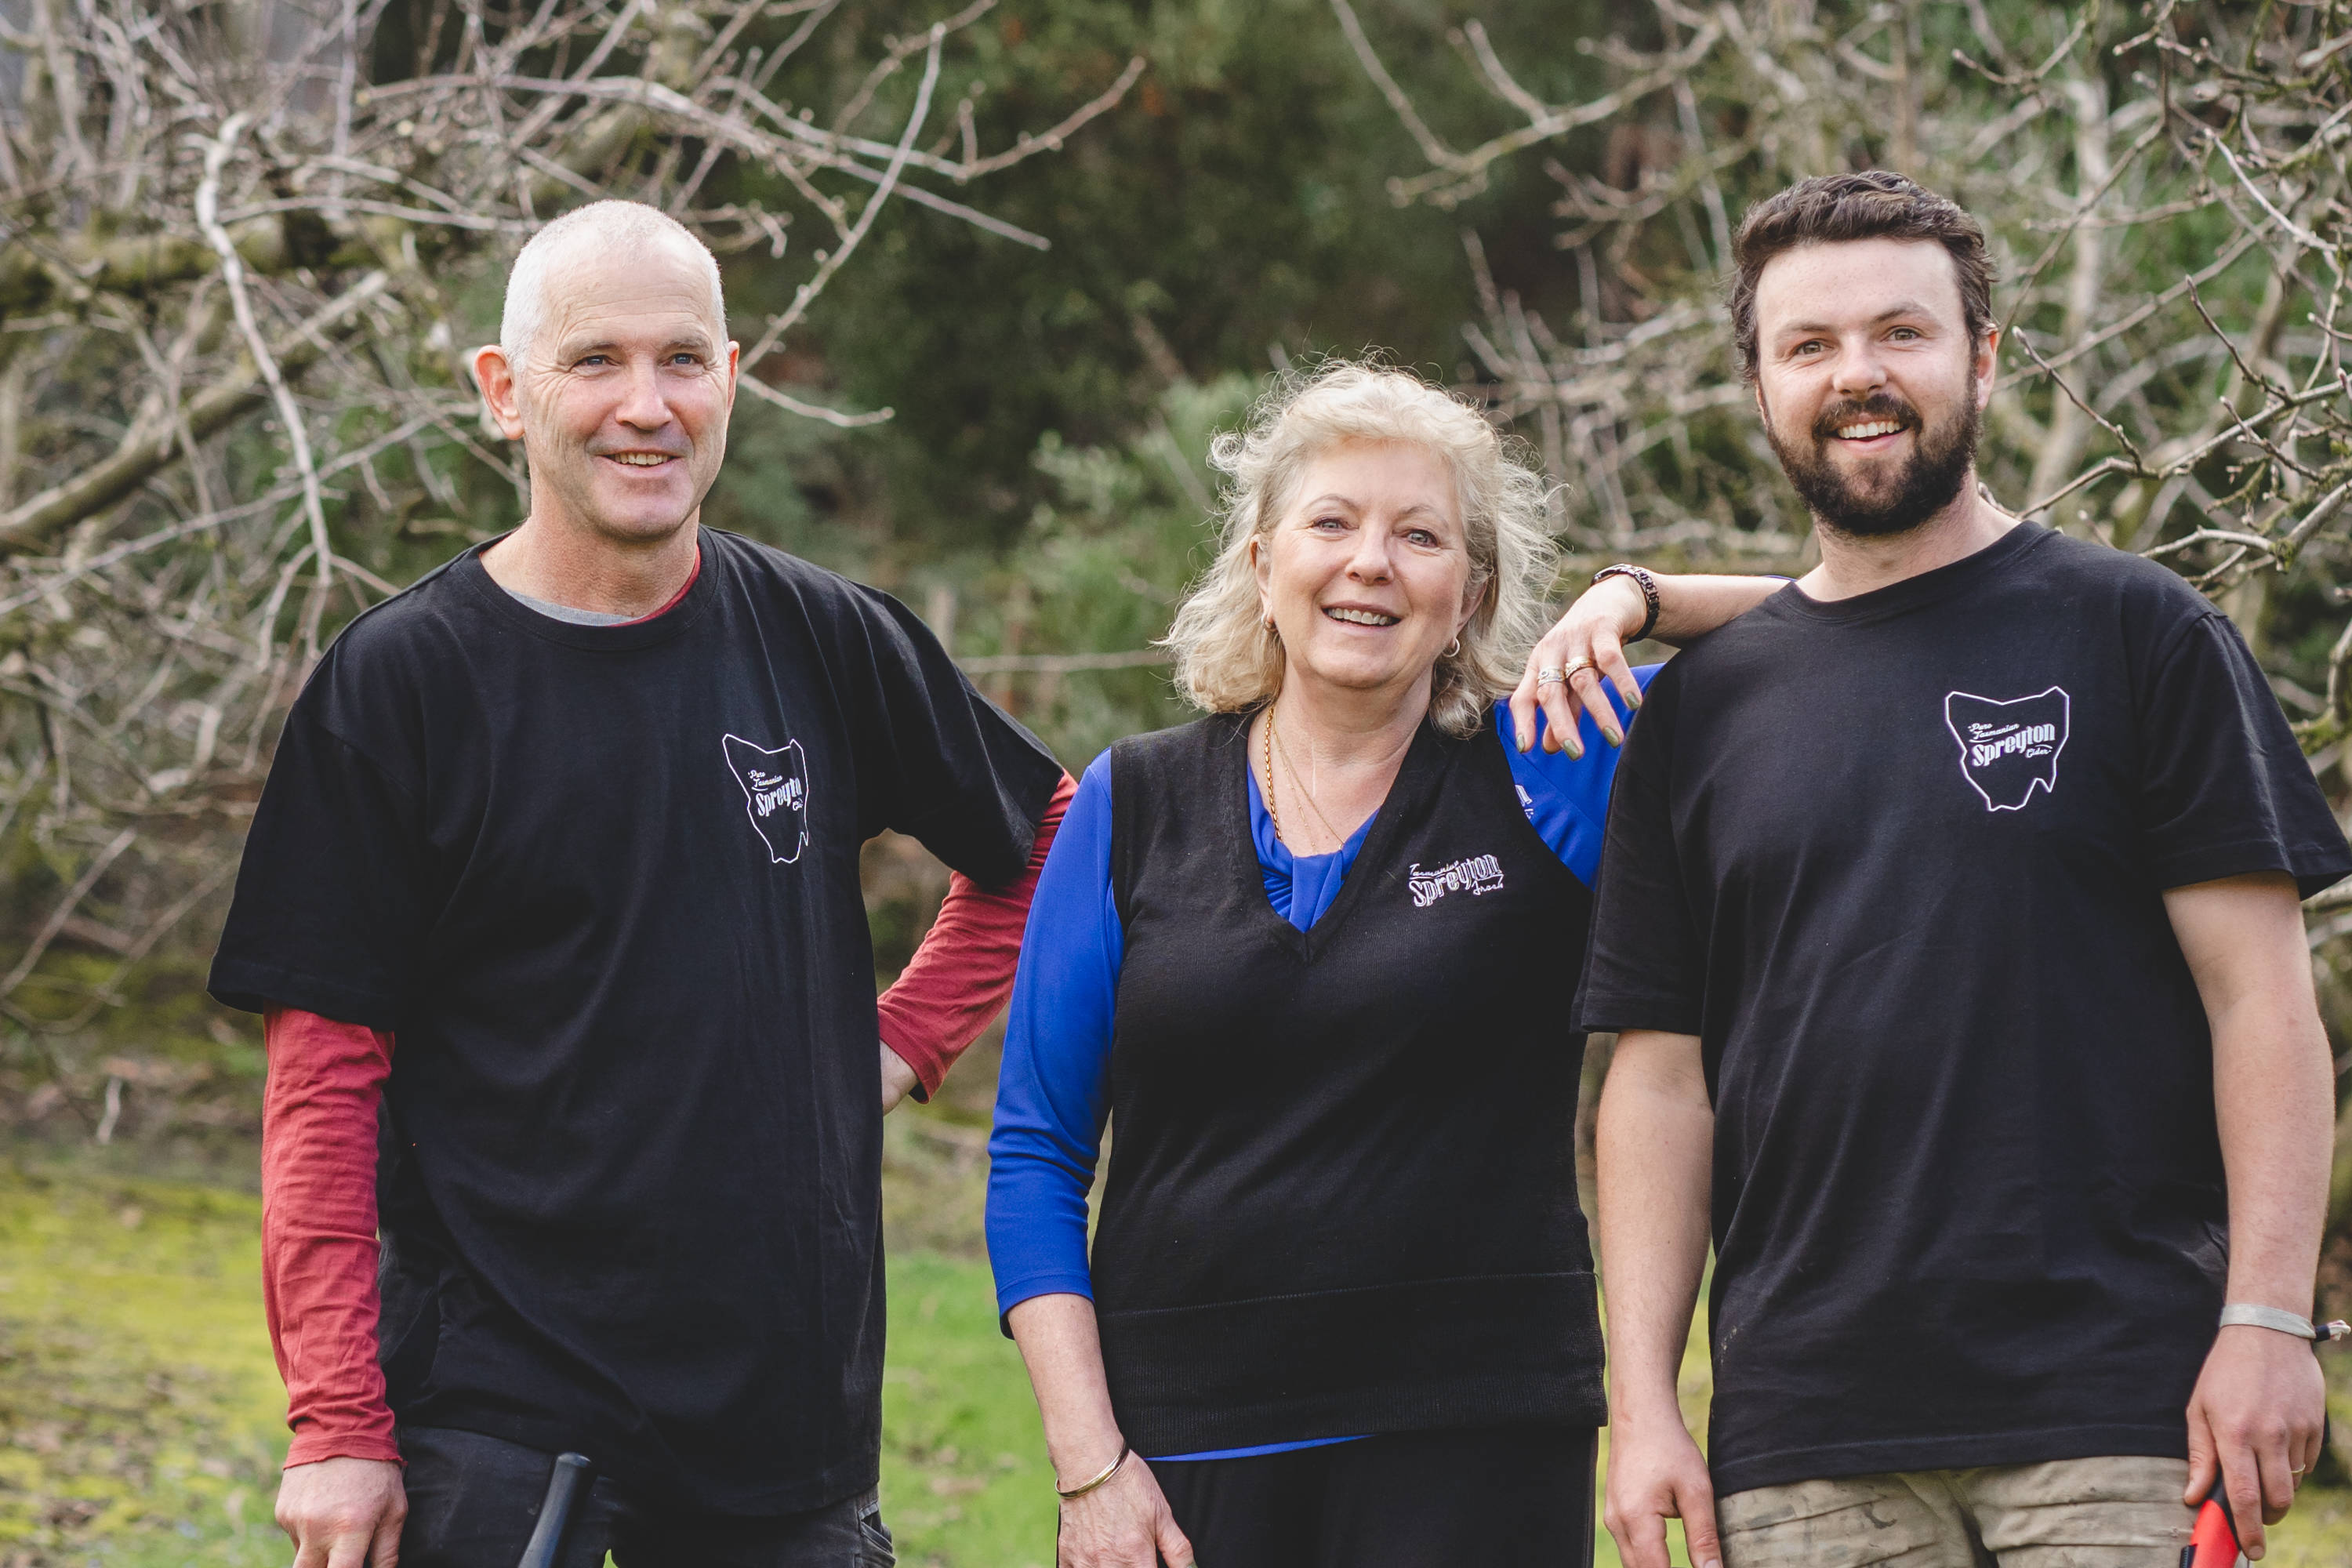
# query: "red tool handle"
2213,1541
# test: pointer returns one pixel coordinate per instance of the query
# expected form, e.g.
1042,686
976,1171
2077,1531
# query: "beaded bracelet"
1649,586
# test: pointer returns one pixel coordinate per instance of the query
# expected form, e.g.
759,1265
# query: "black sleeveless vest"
1342,1186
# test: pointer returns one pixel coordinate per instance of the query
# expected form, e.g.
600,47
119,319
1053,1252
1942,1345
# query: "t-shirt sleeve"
1566,798
1645,967
2224,789
329,914
1053,1093
938,761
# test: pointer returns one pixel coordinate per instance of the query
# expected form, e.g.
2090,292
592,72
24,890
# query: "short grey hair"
615,224
1229,661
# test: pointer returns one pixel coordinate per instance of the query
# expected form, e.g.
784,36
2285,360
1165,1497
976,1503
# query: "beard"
1939,465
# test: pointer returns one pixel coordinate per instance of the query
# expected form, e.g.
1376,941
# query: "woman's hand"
1123,1523
1591,637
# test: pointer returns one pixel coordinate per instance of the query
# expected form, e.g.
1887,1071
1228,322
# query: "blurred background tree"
225,224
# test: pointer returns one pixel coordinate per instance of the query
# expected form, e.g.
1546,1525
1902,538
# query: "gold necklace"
1273,743
1272,814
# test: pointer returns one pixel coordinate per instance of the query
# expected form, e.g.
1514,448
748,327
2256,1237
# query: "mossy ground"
141,1416
142,1420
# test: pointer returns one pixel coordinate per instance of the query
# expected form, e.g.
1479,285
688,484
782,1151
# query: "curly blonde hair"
1229,661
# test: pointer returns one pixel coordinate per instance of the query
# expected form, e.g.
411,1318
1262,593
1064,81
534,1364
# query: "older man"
575,820
1949,911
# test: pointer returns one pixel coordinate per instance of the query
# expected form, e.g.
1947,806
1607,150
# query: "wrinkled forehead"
1832,283
1378,473
654,293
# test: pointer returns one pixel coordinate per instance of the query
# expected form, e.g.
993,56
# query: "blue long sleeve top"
1052,1097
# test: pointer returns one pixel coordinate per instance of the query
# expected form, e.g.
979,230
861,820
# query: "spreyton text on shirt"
1475,875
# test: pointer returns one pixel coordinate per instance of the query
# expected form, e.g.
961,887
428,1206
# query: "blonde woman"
1313,951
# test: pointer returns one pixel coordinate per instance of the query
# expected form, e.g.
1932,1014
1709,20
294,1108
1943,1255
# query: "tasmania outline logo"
2010,749
775,795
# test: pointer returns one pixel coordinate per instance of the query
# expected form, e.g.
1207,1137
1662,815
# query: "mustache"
1868,410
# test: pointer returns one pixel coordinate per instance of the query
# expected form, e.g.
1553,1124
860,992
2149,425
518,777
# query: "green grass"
141,1416
142,1420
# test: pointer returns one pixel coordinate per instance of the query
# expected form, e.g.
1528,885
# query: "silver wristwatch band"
2245,1314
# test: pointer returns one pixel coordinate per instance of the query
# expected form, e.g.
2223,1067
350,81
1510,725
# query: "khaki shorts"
2069,1514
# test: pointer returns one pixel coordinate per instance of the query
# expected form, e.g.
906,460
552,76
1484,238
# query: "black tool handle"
564,1490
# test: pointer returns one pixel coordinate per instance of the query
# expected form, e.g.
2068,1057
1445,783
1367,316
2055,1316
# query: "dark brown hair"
1871,205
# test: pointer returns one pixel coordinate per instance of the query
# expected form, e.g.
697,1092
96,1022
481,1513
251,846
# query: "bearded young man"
574,821
1949,915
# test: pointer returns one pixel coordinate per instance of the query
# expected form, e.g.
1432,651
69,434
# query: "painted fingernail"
1575,752
1615,738
1633,700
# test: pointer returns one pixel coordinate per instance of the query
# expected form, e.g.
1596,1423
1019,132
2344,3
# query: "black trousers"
472,1501
1505,1497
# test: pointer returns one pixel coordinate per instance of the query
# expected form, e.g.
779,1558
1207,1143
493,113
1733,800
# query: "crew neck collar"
1926,588
669,621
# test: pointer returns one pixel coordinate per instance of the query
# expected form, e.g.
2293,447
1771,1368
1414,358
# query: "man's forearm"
2273,1090
1690,606
2273,1079
319,1231
1656,1149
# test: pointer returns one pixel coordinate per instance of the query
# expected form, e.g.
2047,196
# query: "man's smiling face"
1870,384
622,395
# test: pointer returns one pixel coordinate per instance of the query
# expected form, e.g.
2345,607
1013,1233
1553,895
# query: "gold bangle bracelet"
1098,1478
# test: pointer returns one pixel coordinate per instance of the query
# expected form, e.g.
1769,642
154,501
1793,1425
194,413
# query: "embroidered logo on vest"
775,795
1477,875
2010,749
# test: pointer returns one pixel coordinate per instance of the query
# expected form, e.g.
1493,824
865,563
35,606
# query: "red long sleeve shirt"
319,1245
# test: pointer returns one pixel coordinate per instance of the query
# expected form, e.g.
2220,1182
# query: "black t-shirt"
1898,861
603,883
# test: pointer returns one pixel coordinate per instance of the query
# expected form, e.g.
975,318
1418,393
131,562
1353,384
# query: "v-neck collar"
1386,819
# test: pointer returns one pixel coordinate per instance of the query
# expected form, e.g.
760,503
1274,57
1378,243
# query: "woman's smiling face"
1367,572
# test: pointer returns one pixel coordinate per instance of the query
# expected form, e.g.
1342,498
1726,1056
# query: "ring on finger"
1550,678
1578,663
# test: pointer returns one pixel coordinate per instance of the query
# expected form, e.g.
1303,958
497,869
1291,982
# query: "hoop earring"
1455,649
